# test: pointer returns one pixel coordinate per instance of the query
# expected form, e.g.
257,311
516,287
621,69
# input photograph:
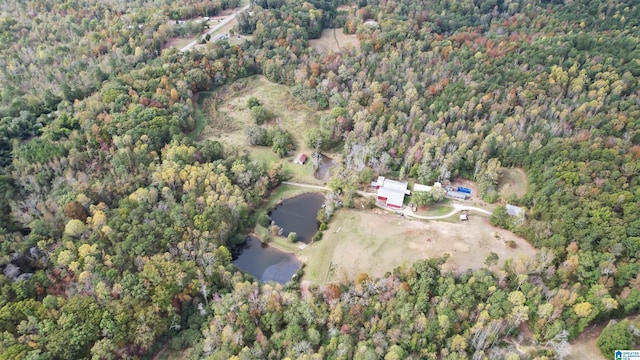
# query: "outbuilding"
301,159
457,195
391,192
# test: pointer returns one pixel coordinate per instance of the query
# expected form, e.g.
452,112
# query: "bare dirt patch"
376,242
334,40
512,182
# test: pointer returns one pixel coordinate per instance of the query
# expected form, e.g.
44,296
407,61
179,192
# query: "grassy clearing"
227,116
178,43
333,40
435,210
512,182
376,242
198,99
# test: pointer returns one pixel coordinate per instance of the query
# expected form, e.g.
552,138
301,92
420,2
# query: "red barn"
391,192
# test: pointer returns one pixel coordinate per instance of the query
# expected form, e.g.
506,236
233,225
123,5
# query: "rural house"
391,192
301,159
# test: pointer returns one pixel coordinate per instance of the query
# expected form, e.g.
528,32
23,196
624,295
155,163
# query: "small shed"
301,159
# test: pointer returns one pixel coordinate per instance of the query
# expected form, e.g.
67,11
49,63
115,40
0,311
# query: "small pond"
325,164
298,214
265,262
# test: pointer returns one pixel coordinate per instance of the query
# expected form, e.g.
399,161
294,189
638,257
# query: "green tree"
615,337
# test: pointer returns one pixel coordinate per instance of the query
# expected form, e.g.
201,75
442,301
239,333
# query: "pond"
265,262
325,164
298,214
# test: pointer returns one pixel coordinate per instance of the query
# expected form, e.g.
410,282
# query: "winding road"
214,29
406,211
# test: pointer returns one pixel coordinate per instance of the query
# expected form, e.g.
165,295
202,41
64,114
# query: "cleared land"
226,116
333,40
375,242
512,182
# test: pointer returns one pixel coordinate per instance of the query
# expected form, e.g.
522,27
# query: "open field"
376,242
227,115
512,182
333,40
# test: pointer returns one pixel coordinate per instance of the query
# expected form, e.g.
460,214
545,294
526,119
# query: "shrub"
615,337
293,237
260,114
253,102
263,220
323,226
317,236
257,136
512,244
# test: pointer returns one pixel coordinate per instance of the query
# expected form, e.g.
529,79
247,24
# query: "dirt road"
305,185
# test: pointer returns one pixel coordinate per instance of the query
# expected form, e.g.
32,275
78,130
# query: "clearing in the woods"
333,40
226,116
512,181
375,242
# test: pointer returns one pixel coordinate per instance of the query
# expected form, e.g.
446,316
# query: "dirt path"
456,208
305,185
214,29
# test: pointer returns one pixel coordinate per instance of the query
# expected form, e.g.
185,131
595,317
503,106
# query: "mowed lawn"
375,242
227,116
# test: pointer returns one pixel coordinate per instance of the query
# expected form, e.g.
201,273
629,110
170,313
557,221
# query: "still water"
265,262
298,214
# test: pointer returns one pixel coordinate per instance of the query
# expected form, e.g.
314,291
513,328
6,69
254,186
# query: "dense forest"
116,224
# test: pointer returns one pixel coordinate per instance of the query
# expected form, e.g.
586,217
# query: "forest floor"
226,117
333,40
376,242
512,181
